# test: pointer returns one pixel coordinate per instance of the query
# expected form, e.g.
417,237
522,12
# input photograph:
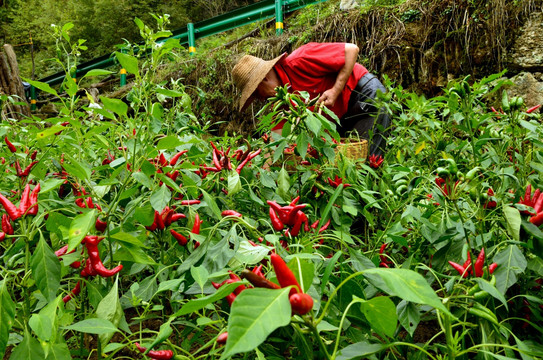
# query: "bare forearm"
351,54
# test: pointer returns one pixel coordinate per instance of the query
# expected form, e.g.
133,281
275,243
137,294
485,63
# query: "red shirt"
314,68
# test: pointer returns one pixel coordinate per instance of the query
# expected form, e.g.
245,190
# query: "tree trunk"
11,84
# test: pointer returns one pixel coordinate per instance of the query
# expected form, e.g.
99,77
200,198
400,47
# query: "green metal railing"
194,31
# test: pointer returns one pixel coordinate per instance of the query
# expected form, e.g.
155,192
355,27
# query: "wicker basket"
354,149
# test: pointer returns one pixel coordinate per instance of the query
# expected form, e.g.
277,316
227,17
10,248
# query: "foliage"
370,243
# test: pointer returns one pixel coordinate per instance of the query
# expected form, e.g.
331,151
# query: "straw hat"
248,73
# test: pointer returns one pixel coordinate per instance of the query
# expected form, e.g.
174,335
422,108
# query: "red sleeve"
318,59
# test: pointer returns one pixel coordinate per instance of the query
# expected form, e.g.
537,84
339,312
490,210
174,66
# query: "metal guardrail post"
192,41
123,76
278,17
33,98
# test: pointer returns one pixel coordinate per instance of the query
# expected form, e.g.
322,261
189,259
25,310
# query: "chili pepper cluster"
93,263
221,159
18,170
467,268
336,182
300,302
535,202
182,239
27,206
375,161
293,217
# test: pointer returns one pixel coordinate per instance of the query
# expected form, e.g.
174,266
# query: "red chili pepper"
301,303
221,339
176,217
537,219
338,181
33,209
216,161
159,221
11,209
11,147
100,225
181,239
157,355
459,268
27,170
276,222
190,202
258,280
285,276
62,251
162,159
532,109
91,242
6,225
300,218
467,265
479,263
492,267
231,213
24,204
33,155
76,290
176,157
18,168
197,223
2,236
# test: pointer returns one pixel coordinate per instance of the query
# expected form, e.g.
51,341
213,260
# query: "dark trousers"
364,118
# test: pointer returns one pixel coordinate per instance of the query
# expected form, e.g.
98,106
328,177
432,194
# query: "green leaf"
486,286
45,270
381,314
283,183
59,351
43,323
97,72
168,142
234,184
511,264
128,62
110,309
115,105
7,315
76,168
409,316
160,198
359,350
210,201
143,179
200,275
255,314
42,86
313,124
301,144
28,349
329,269
304,272
93,326
163,334
407,285
133,253
79,228
513,219
49,131
200,303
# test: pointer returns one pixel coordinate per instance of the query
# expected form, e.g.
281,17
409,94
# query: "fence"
259,11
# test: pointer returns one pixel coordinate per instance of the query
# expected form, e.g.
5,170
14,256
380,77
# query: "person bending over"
325,70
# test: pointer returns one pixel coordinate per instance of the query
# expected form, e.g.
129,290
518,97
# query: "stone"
527,51
527,86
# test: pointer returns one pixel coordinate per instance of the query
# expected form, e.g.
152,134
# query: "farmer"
327,70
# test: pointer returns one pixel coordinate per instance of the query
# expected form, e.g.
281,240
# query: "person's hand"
329,97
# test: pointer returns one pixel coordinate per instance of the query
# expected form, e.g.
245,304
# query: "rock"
527,51
347,4
527,86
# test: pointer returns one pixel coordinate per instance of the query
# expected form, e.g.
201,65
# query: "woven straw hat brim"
249,73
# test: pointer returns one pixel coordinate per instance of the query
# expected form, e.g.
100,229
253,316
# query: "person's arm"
330,96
